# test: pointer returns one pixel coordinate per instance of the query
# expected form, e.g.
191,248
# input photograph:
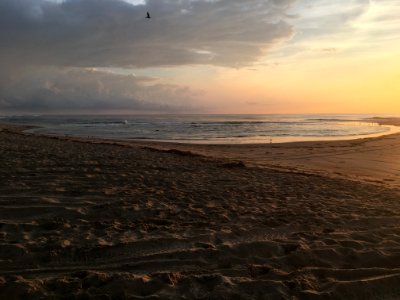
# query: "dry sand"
155,221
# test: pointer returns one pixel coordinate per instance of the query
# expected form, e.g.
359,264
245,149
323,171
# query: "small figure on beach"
148,15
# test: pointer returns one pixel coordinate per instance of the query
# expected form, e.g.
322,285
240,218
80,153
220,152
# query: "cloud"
89,90
327,25
324,17
348,26
115,33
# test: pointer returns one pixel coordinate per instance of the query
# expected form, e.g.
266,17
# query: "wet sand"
111,220
372,160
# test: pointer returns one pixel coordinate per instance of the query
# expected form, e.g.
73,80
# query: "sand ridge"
93,219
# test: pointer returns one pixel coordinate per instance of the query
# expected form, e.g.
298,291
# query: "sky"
200,56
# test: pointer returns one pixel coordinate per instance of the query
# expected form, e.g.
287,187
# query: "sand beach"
116,220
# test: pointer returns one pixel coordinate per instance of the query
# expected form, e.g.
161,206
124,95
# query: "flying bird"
148,16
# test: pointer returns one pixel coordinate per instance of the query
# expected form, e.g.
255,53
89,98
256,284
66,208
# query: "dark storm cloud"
94,33
76,89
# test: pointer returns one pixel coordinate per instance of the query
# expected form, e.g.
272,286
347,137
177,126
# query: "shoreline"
371,159
392,123
393,129
87,219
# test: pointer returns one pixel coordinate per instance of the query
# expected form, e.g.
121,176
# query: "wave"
334,120
249,123
102,123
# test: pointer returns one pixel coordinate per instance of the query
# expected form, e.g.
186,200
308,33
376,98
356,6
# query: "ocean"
211,129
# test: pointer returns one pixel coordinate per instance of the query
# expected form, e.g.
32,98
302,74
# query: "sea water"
212,129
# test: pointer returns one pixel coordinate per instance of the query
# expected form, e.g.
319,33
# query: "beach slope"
101,220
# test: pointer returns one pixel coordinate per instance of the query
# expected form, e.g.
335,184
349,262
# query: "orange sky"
321,85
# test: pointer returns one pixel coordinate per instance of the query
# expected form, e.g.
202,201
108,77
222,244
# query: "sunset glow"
200,56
